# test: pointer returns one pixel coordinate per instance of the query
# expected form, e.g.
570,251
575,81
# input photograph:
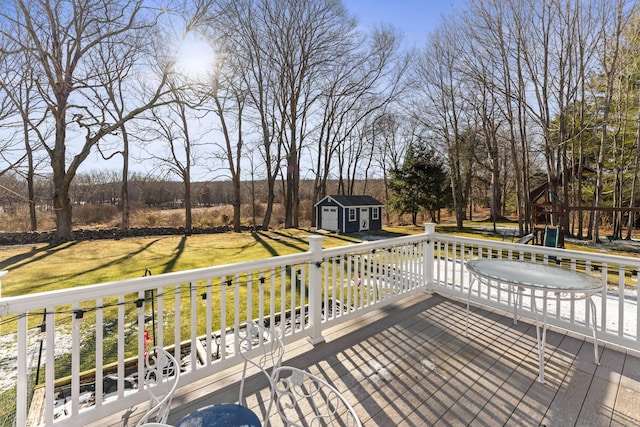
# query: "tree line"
101,188
503,94
518,86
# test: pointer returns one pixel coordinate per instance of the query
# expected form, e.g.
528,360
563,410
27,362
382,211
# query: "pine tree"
421,184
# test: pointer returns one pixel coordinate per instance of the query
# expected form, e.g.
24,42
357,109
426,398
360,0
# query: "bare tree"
170,142
223,93
531,56
367,76
491,41
632,70
18,87
614,17
440,106
240,30
115,92
231,149
305,36
62,39
281,53
622,130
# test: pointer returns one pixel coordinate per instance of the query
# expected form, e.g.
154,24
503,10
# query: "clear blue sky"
415,18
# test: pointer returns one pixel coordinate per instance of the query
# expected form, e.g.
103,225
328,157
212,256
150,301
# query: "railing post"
315,290
429,229
22,409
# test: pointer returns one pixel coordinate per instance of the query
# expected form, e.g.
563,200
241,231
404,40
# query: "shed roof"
360,200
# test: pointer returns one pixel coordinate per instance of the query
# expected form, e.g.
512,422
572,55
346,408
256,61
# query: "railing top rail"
375,244
23,303
542,250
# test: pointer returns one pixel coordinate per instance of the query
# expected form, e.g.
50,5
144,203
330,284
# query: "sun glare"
195,57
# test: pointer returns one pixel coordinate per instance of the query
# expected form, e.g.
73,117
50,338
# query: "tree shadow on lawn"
289,240
23,260
177,253
36,254
261,237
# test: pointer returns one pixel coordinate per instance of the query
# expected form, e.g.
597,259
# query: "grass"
39,268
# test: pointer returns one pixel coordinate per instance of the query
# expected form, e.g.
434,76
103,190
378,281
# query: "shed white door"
330,218
364,219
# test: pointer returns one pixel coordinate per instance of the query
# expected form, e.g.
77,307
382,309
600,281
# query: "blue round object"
221,415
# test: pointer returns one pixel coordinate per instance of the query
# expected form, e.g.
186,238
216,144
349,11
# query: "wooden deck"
410,364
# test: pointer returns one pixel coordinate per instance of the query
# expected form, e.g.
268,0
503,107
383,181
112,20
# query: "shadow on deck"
410,364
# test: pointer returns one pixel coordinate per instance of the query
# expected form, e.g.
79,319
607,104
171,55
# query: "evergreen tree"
421,184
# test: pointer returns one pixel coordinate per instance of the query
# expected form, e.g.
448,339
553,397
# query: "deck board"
411,365
626,409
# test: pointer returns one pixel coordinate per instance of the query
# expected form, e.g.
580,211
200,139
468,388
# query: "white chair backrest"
260,347
162,374
303,399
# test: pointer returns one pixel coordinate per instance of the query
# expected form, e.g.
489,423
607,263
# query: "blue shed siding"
343,205
375,224
351,226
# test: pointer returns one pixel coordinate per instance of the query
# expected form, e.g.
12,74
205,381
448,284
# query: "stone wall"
32,237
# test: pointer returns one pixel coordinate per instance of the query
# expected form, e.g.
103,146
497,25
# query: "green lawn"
38,268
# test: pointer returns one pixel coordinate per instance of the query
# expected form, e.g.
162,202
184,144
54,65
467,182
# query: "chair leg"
241,399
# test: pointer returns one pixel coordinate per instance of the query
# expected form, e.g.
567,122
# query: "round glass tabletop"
532,275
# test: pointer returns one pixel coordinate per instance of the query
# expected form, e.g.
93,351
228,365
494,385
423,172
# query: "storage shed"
349,214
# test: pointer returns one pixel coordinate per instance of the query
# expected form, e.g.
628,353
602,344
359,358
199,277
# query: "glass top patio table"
541,281
531,275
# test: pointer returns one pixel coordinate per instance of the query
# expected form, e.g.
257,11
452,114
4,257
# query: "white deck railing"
94,337
617,310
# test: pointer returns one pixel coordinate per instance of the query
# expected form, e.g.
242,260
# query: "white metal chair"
262,348
162,373
303,399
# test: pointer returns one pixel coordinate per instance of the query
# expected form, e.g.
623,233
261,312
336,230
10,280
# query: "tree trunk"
634,183
61,182
124,193
291,202
33,219
270,200
610,65
237,203
188,220
62,208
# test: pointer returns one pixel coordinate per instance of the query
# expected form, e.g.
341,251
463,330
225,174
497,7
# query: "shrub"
151,219
205,218
94,214
175,219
